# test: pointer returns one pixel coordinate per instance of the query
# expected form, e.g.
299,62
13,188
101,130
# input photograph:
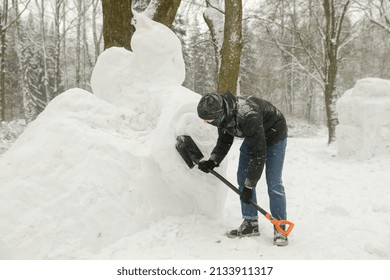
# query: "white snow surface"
97,176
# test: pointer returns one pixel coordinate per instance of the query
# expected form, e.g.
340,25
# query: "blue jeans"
273,173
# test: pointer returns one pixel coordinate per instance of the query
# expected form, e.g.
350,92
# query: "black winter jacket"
255,119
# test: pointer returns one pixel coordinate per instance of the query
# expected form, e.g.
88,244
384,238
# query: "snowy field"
340,209
97,176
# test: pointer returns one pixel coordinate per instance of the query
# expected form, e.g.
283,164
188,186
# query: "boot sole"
243,235
281,244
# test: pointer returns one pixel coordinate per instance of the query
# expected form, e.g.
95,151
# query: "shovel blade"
188,150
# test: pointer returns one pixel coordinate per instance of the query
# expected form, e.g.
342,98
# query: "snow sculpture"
364,115
94,168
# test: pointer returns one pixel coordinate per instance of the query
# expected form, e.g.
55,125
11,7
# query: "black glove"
246,195
207,165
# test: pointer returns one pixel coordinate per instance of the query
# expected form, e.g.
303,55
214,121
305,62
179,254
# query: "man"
264,130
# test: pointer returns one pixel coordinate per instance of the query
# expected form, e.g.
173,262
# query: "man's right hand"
207,165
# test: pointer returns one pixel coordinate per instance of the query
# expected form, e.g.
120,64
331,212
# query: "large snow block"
364,115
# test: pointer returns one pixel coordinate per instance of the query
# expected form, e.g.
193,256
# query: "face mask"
218,121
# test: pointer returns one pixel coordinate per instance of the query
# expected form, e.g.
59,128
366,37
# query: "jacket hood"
230,110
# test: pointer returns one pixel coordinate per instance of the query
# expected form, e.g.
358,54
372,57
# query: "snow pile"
93,168
364,115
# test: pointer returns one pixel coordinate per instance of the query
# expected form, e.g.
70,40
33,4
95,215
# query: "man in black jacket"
264,130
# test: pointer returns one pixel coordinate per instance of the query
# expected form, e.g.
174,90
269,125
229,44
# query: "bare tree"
97,35
231,47
5,24
80,4
58,4
214,17
332,42
41,9
378,12
335,33
3,30
64,47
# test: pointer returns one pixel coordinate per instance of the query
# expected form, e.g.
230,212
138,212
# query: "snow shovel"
191,154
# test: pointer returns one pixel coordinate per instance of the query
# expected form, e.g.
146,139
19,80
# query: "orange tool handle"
277,223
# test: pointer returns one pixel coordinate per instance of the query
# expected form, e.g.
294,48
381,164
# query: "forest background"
300,55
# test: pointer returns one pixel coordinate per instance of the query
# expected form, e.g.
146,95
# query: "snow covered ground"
340,209
97,176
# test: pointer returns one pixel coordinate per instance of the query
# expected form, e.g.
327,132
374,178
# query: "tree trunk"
3,25
96,37
41,8
231,48
333,26
330,92
84,46
78,42
117,28
57,46
214,18
64,49
163,11
2,73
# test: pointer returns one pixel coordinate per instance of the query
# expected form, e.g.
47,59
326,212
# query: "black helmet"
210,106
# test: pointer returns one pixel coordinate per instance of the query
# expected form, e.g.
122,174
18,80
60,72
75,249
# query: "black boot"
280,239
247,228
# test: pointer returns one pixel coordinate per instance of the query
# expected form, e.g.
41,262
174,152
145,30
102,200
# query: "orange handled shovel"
191,154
